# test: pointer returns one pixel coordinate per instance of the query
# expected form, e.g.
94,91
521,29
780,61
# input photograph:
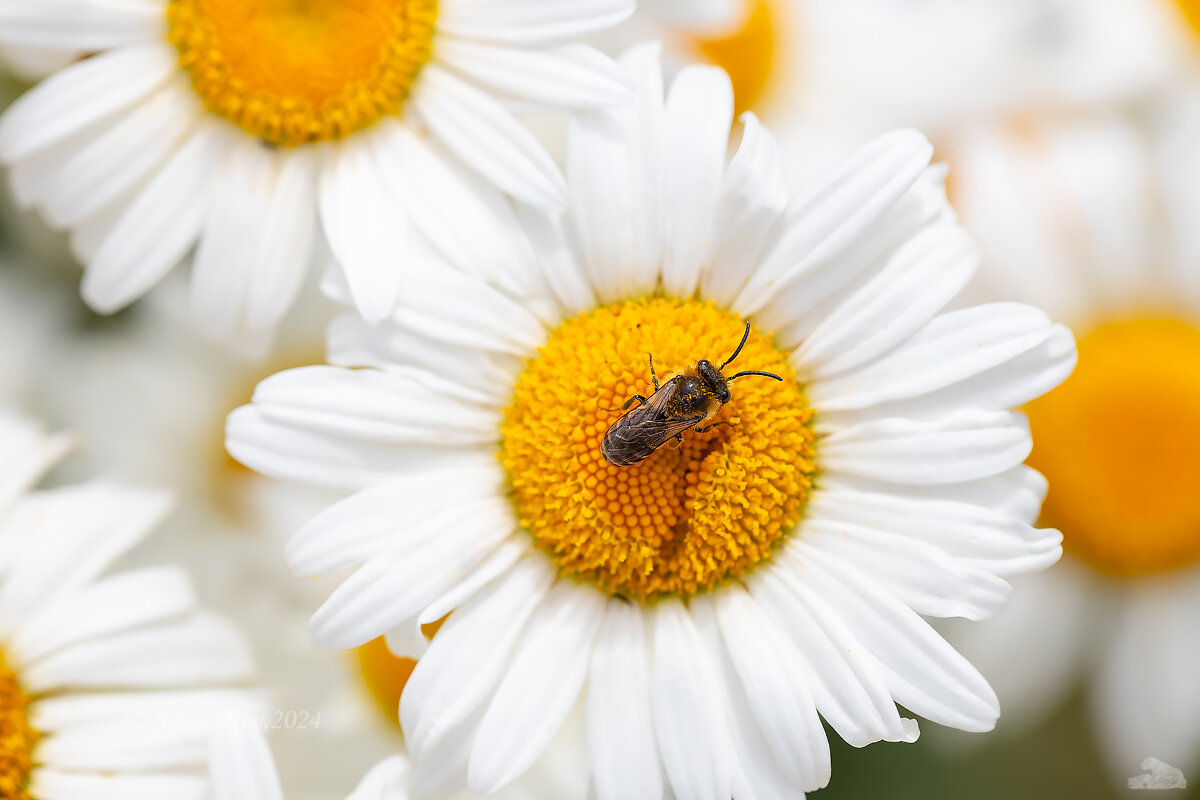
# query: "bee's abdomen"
622,447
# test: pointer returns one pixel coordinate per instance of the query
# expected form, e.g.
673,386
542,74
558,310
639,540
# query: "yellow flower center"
298,71
16,737
1119,443
747,54
687,517
1191,12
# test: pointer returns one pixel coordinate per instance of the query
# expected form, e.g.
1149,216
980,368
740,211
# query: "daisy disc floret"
242,132
719,597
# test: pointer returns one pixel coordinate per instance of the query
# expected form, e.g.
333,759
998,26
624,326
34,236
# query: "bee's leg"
677,441
653,376
708,428
637,398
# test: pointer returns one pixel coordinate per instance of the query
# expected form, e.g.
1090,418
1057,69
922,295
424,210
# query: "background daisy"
246,134
715,598
1072,215
109,683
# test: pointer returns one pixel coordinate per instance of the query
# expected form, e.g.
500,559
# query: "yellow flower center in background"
385,676
298,71
685,518
1191,12
747,54
1119,442
16,737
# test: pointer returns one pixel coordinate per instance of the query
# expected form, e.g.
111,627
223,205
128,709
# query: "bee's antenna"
741,344
754,372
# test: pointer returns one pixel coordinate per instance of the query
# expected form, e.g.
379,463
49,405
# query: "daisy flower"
235,127
109,684
719,596
1070,215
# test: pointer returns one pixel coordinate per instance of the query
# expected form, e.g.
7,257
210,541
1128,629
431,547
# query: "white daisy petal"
922,671
918,574
753,198
48,783
81,24
920,278
699,115
81,95
977,536
566,75
563,273
955,348
480,316
757,772
292,453
388,590
257,240
848,686
469,657
800,305
107,168
366,227
685,698
242,766
957,447
771,670
621,740
487,138
529,21
107,606
541,686
348,533
383,780
471,375
120,745
465,218
73,534
65,712
441,771
158,227
26,453
374,406
615,173
836,212
203,649
502,559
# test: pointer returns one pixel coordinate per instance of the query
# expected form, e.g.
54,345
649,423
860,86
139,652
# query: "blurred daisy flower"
234,127
109,684
1070,214
718,596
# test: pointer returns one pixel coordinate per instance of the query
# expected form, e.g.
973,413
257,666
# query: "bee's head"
714,379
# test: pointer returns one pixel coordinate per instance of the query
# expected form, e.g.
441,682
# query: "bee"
687,400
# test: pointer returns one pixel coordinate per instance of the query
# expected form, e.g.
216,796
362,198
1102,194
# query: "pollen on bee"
683,519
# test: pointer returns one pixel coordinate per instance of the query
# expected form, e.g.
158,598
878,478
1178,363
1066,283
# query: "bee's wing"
651,423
